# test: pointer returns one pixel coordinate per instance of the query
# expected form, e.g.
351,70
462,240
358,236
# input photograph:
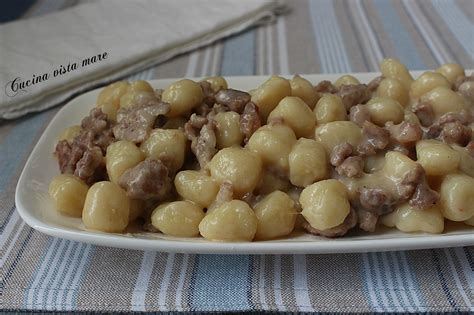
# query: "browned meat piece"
325,87
367,220
96,131
424,197
455,132
149,179
87,148
373,199
201,132
225,194
464,117
462,79
249,121
407,186
235,100
359,114
374,84
470,148
394,146
353,166
135,123
353,94
414,175
374,138
424,112
96,121
337,231
204,146
194,125
451,128
90,162
405,132
216,109
203,109
67,156
340,153
208,92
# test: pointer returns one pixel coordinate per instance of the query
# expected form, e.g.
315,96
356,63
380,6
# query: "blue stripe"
43,276
355,31
386,274
71,264
82,277
249,282
238,57
61,277
406,284
35,273
221,283
366,274
58,272
17,143
328,38
458,24
444,285
373,279
402,41
5,222
469,257
9,273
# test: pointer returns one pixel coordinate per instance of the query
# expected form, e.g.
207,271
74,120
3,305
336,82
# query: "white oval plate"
35,207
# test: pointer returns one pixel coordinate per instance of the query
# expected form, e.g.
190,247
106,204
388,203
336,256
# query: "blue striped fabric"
44,273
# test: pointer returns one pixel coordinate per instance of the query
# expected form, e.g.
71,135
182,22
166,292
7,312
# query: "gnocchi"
270,93
68,193
273,144
197,187
457,197
168,145
121,156
239,166
409,219
232,221
307,163
330,108
296,114
178,218
276,216
201,159
183,96
302,88
325,204
106,208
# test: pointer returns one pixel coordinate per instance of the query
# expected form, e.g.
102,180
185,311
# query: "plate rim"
280,246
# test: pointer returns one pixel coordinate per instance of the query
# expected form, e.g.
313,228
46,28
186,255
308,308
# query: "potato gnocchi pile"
202,159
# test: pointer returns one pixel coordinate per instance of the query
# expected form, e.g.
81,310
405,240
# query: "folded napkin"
46,60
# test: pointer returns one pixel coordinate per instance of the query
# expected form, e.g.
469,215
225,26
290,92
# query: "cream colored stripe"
301,284
5,255
192,64
260,50
282,46
457,281
269,46
143,279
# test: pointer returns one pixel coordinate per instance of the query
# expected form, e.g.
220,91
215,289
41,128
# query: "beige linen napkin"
45,60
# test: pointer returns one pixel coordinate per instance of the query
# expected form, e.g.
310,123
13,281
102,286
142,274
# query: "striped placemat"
39,272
